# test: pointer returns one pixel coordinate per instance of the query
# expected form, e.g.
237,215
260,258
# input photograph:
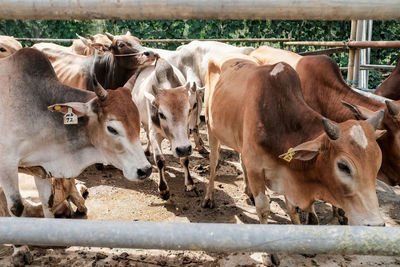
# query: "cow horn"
99,90
376,120
331,129
393,108
372,96
110,36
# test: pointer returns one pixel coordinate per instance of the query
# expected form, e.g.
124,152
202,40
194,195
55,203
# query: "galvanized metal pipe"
202,236
223,40
205,9
350,44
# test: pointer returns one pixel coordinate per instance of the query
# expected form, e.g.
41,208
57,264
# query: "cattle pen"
218,237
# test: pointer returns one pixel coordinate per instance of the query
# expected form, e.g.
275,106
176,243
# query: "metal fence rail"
351,44
224,40
202,236
205,9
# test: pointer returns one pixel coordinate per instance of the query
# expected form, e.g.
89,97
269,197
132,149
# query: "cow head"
170,112
114,129
8,46
347,159
128,51
99,42
389,143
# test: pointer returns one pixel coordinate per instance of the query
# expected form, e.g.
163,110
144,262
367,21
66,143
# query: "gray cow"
106,128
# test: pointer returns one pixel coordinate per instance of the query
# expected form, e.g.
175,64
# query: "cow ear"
379,133
84,40
186,86
150,97
305,151
91,37
80,109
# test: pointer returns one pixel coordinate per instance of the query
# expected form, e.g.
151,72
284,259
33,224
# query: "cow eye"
162,116
2,49
112,130
121,45
344,168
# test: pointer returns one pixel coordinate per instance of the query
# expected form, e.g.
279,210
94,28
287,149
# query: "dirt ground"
112,197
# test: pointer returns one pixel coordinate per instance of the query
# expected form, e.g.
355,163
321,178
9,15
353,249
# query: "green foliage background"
196,29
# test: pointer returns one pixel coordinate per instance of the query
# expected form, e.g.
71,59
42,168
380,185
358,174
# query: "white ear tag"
70,117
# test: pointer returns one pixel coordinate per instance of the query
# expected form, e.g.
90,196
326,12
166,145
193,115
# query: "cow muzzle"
183,151
144,172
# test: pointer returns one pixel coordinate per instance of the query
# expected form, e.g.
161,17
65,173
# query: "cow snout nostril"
148,53
184,151
144,172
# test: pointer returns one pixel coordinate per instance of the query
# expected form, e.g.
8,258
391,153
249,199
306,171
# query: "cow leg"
215,145
247,190
46,195
292,212
163,189
147,150
76,198
312,217
340,215
189,184
9,183
21,255
257,186
32,209
198,141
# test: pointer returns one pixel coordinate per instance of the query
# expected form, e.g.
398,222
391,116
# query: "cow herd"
299,128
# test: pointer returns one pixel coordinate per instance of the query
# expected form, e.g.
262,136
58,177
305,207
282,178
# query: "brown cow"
259,111
324,89
113,69
8,46
390,87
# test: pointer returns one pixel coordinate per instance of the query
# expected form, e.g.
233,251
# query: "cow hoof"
99,166
17,208
204,152
312,219
343,220
164,194
192,188
22,256
275,259
79,214
208,203
251,198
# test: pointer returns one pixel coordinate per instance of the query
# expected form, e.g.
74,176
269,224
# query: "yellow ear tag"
289,156
57,108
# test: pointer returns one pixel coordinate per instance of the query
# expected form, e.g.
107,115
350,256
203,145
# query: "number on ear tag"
70,117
